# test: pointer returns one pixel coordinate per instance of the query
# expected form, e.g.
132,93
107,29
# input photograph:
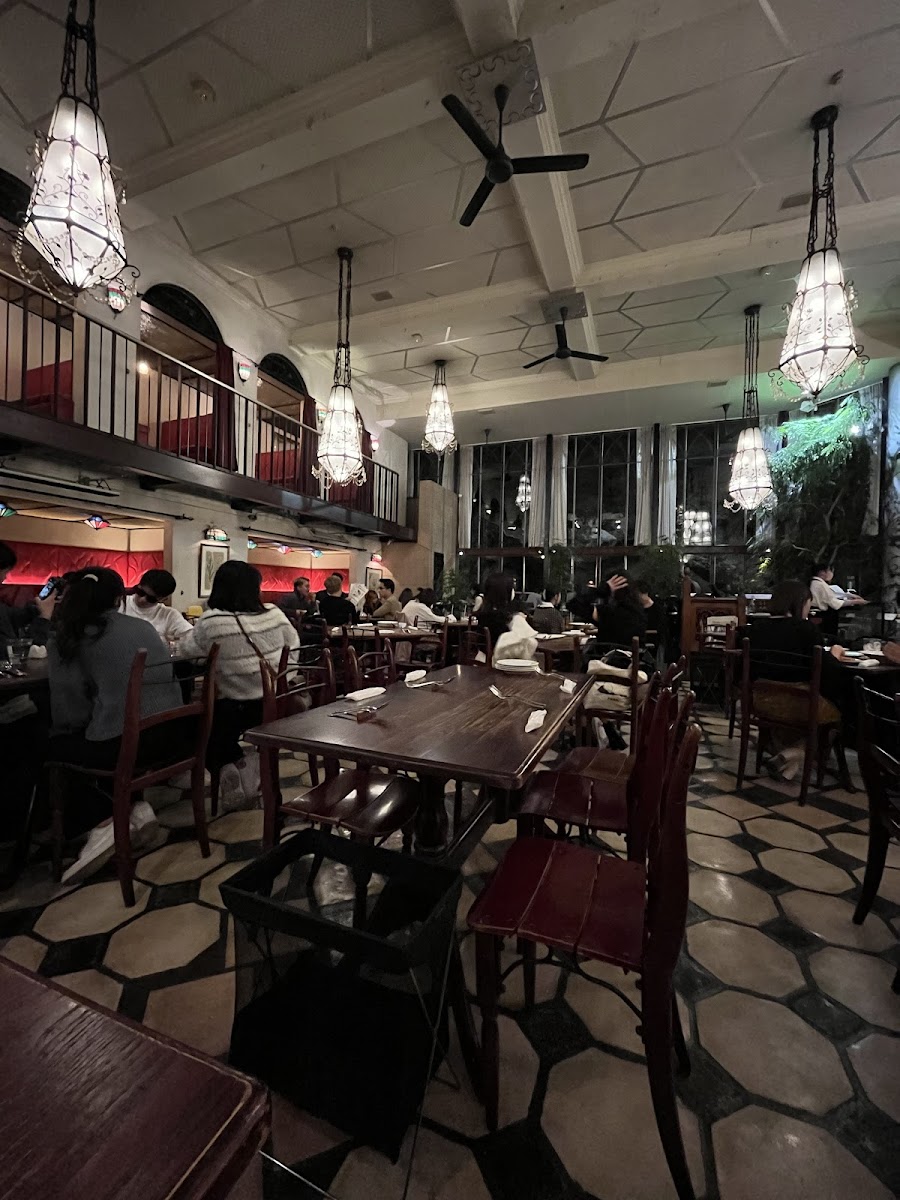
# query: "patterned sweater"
238,675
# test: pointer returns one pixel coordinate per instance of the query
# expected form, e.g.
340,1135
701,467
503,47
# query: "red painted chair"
587,906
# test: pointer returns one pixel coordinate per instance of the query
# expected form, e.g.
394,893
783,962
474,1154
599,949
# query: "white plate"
516,666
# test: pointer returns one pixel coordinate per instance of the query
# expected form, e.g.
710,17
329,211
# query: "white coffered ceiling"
326,129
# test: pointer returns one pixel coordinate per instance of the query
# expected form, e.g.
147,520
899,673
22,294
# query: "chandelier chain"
751,363
345,288
823,188
76,32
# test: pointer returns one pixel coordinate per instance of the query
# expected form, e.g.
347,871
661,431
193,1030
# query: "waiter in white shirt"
824,596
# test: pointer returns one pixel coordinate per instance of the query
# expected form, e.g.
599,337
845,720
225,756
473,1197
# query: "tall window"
601,489
496,519
424,466
716,536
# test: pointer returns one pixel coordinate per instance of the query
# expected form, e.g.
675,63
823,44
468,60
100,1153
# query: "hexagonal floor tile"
718,853
179,862
785,834
744,957
245,826
758,1151
297,1134
209,885
596,1100
34,888
26,951
705,820
97,908
735,806
161,940
809,814
832,919
889,888
442,1170
546,977
460,1109
93,985
860,982
876,1060
772,1051
805,870
607,1017
857,845
726,895
198,1013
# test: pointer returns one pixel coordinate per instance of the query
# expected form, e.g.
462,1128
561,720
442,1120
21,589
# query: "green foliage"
660,567
821,480
455,586
558,569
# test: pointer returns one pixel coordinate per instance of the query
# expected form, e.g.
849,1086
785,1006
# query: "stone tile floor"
794,1032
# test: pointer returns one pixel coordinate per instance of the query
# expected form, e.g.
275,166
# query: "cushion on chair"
566,896
577,800
788,704
368,804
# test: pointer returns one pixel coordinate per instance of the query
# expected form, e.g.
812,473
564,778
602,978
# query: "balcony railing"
57,363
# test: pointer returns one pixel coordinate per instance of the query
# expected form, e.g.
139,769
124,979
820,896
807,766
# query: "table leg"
432,826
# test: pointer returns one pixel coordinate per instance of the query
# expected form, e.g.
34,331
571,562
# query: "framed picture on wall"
373,578
212,555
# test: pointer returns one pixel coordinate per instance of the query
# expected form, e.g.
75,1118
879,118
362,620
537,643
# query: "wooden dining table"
96,1107
36,678
460,731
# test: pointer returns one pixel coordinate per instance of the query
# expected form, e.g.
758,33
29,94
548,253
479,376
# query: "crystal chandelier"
751,480
439,434
523,495
72,218
820,343
340,448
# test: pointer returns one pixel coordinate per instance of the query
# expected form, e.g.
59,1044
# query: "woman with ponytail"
90,655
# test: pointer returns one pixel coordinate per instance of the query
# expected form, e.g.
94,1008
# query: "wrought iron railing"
57,363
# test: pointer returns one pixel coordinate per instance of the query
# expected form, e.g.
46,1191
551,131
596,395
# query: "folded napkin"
480,657
413,676
567,686
37,652
867,662
518,642
536,718
365,694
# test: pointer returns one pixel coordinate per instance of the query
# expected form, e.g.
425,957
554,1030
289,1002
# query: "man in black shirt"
300,602
334,606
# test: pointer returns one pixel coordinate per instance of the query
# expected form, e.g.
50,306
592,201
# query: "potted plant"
660,568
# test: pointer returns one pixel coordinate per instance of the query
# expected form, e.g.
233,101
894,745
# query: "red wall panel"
281,579
38,561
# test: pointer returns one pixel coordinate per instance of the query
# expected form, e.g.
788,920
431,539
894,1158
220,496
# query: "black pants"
230,719
23,752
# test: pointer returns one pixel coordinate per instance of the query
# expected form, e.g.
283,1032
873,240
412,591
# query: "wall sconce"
97,522
213,534
244,369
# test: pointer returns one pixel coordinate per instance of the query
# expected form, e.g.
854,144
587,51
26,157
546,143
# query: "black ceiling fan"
562,347
499,167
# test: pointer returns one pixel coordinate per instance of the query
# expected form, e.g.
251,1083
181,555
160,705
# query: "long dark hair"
405,596
236,588
788,598
90,596
498,589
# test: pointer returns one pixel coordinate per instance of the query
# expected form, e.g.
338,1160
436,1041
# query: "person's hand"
615,583
837,651
46,606
860,600
891,652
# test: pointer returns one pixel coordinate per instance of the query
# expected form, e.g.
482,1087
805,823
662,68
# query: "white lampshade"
73,215
340,450
440,437
523,495
751,479
820,342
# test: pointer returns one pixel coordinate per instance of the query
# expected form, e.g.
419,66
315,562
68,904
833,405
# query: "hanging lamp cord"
751,364
822,189
345,286
76,32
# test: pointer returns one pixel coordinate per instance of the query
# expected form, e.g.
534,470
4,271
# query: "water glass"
18,651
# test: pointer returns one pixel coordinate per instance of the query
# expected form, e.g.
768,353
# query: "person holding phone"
27,620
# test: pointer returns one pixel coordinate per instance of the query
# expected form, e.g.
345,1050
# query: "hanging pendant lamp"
440,437
820,344
340,458
72,218
523,495
750,486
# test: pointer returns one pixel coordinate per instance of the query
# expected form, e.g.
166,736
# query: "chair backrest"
432,648
648,775
696,611
373,669
674,674
878,748
134,724
298,685
474,640
667,867
775,667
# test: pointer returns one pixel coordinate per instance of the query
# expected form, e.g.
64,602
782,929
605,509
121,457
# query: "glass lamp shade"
523,495
751,479
440,437
73,215
820,342
340,451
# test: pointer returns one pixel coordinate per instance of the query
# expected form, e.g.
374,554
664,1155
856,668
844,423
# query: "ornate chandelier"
751,480
820,343
523,495
72,218
439,434
340,448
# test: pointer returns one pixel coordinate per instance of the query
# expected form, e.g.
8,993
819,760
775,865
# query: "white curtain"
559,526
447,472
466,466
537,514
668,482
643,526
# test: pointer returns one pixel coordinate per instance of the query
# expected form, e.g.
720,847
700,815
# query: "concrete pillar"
890,507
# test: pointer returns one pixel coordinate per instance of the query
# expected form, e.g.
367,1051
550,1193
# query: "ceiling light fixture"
213,533
72,218
97,522
251,545
750,486
523,495
6,510
284,549
440,437
143,367
340,457
820,344
376,442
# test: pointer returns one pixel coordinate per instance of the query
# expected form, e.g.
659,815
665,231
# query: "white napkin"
365,694
567,686
480,657
37,652
535,719
867,662
414,675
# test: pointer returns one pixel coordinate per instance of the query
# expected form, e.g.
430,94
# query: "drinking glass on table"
18,651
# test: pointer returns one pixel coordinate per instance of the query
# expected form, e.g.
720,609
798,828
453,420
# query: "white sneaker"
182,782
95,853
249,773
231,789
600,733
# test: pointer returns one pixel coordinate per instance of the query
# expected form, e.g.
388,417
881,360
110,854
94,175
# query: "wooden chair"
618,710
130,777
374,669
732,670
587,906
695,614
878,745
783,691
474,641
429,652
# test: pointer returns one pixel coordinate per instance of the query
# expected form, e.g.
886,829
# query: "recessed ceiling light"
382,296
716,383
203,91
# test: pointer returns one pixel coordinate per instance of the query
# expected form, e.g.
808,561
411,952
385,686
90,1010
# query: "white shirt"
415,608
823,595
168,622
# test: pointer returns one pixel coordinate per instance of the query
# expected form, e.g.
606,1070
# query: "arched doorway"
288,454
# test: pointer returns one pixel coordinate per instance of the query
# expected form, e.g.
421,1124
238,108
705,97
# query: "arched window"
14,196
282,370
184,307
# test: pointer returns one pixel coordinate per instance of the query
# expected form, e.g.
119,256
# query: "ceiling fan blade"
473,208
469,125
549,162
537,362
589,357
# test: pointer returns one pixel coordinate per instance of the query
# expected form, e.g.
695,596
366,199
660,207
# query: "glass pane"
584,572
587,498
490,493
632,504
729,571
614,515
589,450
612,564
615,447
698,501
731,527
534,574
701,440
728,438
